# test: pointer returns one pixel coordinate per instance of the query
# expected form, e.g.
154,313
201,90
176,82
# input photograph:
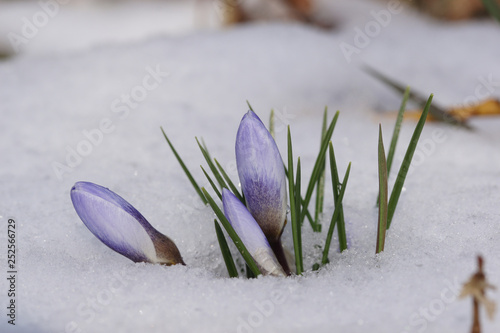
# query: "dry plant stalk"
486,108
476,287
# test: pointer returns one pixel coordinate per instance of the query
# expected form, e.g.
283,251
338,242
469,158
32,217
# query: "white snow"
71,25
449,212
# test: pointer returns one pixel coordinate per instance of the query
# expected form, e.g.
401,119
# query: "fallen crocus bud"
251,234
121,227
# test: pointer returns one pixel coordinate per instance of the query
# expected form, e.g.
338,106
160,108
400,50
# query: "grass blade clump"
395,133
405,165
335,187
335,216
317,169
219,179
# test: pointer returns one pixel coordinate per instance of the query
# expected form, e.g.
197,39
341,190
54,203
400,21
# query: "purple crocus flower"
121,227
251,234
263,180
262,175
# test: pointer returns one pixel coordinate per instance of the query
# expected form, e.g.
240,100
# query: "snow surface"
449,212
80,24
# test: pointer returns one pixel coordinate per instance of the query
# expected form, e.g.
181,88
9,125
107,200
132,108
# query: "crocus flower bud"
121,227
251,235
262,175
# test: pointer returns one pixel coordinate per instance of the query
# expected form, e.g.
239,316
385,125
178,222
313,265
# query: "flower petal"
250,233
262,175
120,226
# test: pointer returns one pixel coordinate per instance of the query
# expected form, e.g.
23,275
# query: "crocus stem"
277,248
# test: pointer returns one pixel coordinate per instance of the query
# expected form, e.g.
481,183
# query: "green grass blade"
271,123
212,183
335,216
382,185
226,253
395,133
320,187
298,200
493,8
229,182
304,209
335,186
317,165
186,171
397,128
234,236
205,147
211,165
405,165
293,211
308,215
249,106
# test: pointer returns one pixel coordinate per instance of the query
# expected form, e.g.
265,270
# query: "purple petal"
120,226
251,235
262,175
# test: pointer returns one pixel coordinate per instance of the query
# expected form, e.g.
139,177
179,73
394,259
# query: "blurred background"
29,27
